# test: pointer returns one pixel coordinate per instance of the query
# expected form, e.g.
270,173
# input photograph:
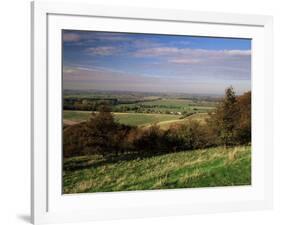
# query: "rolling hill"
201,168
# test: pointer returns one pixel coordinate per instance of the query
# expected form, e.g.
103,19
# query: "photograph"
147,111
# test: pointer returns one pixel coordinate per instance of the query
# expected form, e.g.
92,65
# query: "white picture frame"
48,205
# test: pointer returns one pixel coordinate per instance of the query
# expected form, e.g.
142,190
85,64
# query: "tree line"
228,125
116,104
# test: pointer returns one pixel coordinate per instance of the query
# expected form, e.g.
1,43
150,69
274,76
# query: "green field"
138,119
133,119
141,109
77,116
200,168
173,105
142,119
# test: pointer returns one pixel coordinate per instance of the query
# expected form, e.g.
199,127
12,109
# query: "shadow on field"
94,162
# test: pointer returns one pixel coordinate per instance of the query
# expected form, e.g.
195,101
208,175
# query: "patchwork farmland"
148,142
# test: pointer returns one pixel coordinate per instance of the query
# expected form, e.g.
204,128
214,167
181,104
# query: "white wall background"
15,109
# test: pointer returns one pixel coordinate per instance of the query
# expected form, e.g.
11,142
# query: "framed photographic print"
148,112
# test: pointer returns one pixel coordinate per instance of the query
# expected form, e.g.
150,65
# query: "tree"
224,120
101,129
243,127
150,140
188,136
74,140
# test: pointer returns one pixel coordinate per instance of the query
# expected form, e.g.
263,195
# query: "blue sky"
155,63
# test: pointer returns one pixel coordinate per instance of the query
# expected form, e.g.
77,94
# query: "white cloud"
161,51
71,37
102,51
103,79
172,51
224,62
67,69
238,52
184,61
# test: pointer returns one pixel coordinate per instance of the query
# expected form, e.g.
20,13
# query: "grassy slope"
137,119
201,168
200,117
141,119
134,119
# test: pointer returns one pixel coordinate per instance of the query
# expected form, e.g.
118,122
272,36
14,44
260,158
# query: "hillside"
136,119
200,168
132,119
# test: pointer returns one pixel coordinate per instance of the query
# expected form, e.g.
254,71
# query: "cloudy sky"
155,63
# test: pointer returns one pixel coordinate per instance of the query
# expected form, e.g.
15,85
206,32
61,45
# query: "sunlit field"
201,168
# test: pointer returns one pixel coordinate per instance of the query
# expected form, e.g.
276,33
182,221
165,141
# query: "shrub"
189,136
230,123
74,140
99,135
149,140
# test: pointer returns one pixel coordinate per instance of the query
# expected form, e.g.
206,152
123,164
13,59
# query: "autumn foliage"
228,125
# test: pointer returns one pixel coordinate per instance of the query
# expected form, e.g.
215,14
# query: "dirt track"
70,122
